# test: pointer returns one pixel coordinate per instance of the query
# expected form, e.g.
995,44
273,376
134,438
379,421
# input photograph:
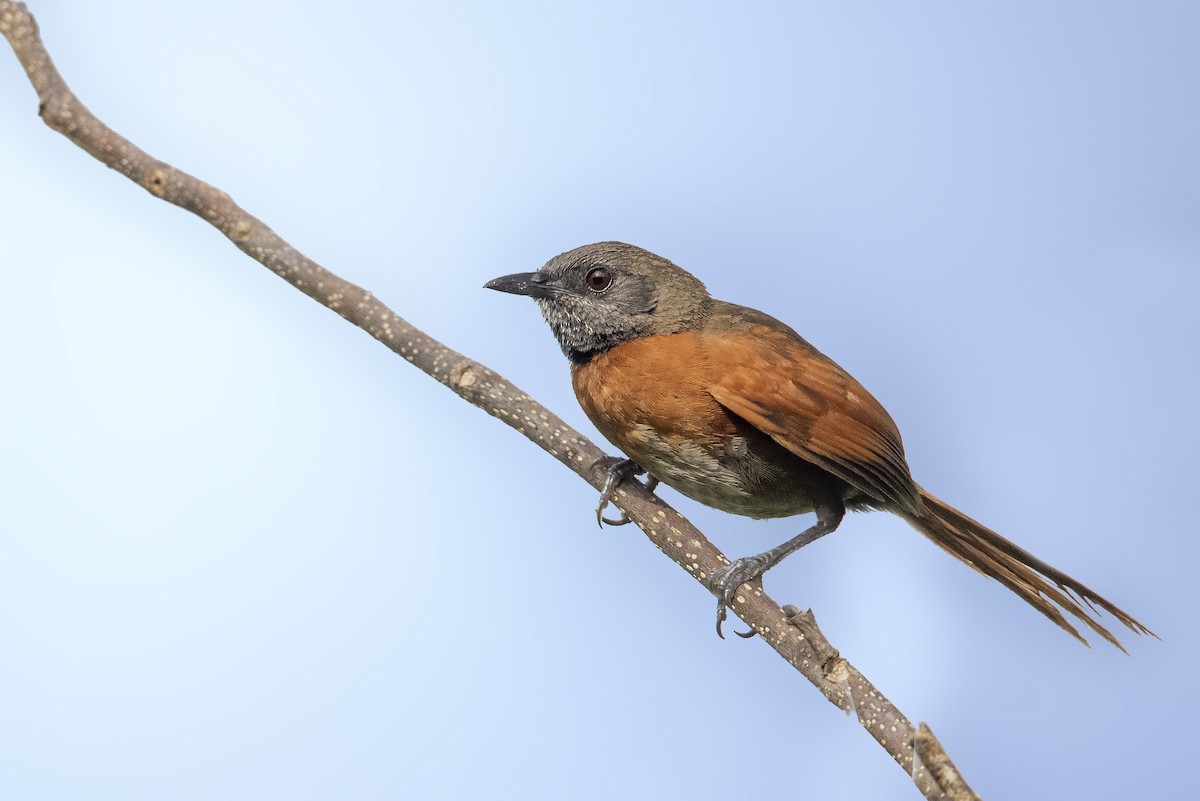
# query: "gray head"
598,296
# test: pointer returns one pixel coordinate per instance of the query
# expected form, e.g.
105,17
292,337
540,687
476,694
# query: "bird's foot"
617,471
727,579
651,485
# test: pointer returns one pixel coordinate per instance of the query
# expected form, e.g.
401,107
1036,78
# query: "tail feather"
1046,589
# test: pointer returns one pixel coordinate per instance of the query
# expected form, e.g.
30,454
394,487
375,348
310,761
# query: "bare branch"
931,754
792,634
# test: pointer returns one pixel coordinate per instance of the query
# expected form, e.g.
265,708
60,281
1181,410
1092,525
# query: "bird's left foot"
618,470
727,579
651,485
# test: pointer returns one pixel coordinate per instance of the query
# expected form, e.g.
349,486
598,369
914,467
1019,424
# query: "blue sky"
246,552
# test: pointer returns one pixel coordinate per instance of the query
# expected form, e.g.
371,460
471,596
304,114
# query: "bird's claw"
618,470
725,583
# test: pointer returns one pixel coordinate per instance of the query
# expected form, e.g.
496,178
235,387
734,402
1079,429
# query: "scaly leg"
726,580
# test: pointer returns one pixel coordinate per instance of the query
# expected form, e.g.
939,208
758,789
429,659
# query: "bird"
734,409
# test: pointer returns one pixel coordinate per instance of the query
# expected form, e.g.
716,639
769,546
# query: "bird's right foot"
727,579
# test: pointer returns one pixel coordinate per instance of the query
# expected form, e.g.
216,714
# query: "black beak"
532,284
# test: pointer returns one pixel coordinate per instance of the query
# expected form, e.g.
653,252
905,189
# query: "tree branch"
794,635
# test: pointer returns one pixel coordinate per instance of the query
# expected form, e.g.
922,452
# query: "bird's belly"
733,476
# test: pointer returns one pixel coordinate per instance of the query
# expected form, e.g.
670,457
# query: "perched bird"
734,409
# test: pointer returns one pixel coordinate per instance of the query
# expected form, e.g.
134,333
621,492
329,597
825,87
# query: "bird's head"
597,296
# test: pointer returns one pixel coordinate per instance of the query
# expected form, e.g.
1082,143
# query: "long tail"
1047,590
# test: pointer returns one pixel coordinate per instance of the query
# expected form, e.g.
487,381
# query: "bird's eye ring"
599,279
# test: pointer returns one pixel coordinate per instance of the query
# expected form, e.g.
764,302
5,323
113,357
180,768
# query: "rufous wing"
784,387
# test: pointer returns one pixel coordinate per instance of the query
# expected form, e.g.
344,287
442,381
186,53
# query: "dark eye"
599,279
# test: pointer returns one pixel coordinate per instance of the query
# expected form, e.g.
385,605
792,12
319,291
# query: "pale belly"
746,475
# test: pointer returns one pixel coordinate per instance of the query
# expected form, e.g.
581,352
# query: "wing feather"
780,384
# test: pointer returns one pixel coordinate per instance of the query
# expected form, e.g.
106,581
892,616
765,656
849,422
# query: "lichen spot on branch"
463,376
156,182
241,230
